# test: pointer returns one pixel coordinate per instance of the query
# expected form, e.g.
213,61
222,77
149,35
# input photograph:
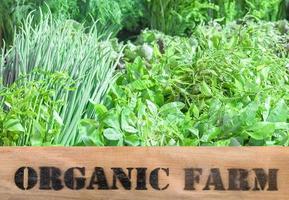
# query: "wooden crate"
91,173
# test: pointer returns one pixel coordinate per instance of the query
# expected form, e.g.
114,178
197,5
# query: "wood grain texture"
176,159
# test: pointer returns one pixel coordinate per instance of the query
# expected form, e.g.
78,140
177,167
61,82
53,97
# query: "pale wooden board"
174,158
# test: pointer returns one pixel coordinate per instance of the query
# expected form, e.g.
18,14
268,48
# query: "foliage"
12,13
61,48
283,12
125,13
175,17
113,15
29,113
65,9
6,25
229,89
179,17
200,73
232,10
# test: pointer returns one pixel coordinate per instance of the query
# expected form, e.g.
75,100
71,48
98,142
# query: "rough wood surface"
175,159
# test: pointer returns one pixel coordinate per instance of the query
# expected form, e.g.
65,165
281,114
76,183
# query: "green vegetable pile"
149,73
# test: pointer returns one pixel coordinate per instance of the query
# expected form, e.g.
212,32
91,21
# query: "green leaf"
57,118
266,109
13,125
112,134
89,135
205,89
132,140
111,119
214,107
141,84
171,108
195,132
38,134
152,107
100,110
279,113
158,98
127,121
234,142
194,109
261,130
248,115
211,133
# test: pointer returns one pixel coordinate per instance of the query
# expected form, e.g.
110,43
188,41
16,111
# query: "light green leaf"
211,134
38,134
126,121
261,130
205,89
13,125
132,140
57,118
112,134
152,107
171,108
141,84
100,110
279,113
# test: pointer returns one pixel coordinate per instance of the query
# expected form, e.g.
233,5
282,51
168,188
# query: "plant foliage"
187,72
68,65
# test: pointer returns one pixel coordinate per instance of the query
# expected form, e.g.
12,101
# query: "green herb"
61,48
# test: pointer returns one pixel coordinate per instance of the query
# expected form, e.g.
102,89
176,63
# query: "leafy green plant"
113,15
135,114
231,10
180,17
213,73
175,17
6,26
29,113
228,90
12,14
65,9
283,12
63,47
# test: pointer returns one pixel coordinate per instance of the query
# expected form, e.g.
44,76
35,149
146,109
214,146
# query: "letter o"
19,178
